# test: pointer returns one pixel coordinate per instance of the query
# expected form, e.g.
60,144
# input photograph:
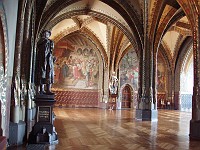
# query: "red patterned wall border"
77,98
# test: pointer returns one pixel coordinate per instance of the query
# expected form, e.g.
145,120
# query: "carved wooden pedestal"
112,101
44,131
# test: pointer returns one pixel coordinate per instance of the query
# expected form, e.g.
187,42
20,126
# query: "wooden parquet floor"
100,129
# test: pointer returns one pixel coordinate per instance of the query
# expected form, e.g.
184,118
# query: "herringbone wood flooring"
100,129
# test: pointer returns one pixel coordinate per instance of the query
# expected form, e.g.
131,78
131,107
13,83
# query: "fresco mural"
78,68
129,70
161,75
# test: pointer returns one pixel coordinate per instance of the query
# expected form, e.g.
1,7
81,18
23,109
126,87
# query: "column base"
194,130
17,133
37,136
146,115
30,125
29,114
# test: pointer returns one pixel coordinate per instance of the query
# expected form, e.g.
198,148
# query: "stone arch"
165,52
164,58
191,10
186,90
103,18
102,58
122,85
131,17
182,54
89,36
133,95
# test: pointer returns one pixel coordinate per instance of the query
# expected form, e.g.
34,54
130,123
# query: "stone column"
154,82
147,103
17,62
195,121
170,89
21,73
26,67
176,84
27,71
147,108
176,98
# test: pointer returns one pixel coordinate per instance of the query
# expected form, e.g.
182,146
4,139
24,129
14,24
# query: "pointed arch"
133,93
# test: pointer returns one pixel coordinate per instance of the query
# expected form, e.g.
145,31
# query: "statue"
113,84
45,63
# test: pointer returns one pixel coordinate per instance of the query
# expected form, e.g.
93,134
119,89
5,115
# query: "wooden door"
126,97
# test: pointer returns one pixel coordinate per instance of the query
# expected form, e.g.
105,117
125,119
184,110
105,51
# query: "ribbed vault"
114,30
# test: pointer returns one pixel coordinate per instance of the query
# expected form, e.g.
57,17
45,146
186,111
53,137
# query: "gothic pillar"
176,97
147,108
17,62
21,74
195,121
154,81
26,68
147,105
170,89
27,72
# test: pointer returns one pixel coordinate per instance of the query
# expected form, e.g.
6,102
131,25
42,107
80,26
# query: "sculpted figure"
45,63
113,84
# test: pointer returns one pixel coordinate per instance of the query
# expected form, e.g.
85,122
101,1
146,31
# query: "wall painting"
78,68
129,70
161,75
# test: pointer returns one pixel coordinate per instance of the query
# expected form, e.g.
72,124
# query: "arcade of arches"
152,46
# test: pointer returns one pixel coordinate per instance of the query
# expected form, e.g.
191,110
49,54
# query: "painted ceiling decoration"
114,31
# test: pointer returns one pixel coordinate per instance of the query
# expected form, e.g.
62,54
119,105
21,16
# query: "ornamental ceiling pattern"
119,24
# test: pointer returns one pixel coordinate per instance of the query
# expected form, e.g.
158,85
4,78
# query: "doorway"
126,97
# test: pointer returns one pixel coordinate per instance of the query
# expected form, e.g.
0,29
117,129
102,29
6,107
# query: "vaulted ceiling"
117,26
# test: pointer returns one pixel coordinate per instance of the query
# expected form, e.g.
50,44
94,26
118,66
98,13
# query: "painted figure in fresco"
88,76
45,60
113,84
65,69
160,80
